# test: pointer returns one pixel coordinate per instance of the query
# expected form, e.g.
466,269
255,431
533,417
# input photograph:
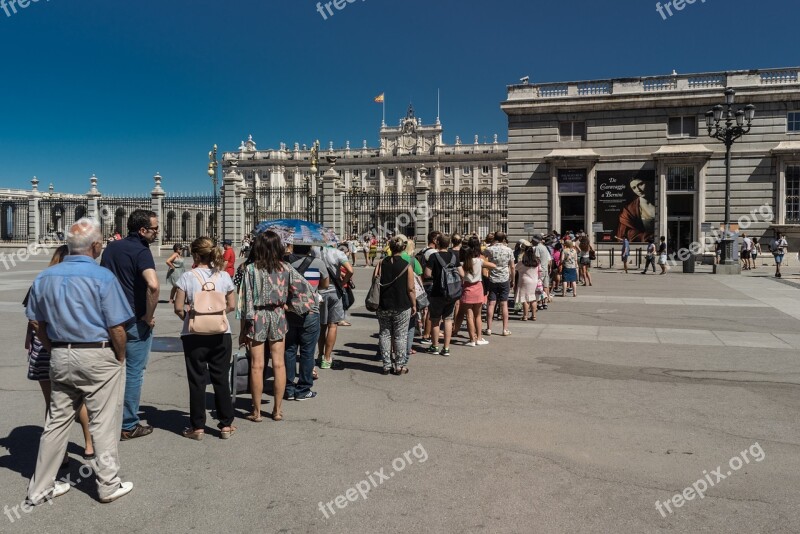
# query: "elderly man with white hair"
81,311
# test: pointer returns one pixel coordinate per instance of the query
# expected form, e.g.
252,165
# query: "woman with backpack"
206,337
269,284
397,304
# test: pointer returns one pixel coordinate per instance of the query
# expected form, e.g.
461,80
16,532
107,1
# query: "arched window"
7,221
120,221
186,221
169,229
199,226
57,217
80,212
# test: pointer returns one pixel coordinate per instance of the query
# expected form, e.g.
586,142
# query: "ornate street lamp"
728,133
313,175
212,172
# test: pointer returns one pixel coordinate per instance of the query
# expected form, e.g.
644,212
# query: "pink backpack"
207,313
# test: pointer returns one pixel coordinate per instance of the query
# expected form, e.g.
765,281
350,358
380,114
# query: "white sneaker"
124,489
59,489
482,342
487,332
471,344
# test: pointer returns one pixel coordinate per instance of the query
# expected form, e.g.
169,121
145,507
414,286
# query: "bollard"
611,258
638,258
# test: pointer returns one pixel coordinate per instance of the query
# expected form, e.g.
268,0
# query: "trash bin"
688,264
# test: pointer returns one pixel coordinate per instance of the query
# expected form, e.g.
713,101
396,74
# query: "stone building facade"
615,151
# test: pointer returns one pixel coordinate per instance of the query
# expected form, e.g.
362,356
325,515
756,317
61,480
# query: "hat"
525,243
227,242
538,237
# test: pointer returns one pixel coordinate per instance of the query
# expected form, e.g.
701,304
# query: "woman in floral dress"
269,286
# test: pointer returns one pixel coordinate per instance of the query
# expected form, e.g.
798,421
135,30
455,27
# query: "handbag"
373,300
592,254
421,294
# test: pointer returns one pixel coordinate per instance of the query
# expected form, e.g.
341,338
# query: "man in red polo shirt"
229,256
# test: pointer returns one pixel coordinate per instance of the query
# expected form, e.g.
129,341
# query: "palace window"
372,173
504,169
485,169
448,171
572,131
391,173
793,194
682,127
793,122
680,178
466,170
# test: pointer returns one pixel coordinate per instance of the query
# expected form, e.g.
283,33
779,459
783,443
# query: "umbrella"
298,231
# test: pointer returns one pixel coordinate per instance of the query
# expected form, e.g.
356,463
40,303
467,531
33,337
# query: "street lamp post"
313,170
212,172
733,129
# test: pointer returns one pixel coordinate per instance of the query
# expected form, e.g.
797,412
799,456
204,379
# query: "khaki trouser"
96,378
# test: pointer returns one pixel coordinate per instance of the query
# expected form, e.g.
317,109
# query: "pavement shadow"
22,445
169,420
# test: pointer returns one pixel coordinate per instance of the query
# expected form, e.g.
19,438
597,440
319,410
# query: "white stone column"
93,195
157,200
381,181
33,211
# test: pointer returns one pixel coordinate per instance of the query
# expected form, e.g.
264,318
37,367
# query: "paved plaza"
638,390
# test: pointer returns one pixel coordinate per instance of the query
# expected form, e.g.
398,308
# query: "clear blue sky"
124,89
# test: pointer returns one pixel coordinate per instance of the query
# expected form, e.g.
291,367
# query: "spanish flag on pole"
379,98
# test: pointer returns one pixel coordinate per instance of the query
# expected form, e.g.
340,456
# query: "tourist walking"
268,286
442,307
529,285
39,368
472,297
397,305
662,255
501,280
206,352
746,252
301,339
755,251
569,269
87,354
132,263
176,267
625,253
586,255
779,249
228,257
650,256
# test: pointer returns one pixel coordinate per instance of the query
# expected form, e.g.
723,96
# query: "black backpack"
420,257
449,280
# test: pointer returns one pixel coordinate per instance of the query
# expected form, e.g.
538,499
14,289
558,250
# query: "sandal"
254,418
314,374
195,434
277,417
344,323
226,434
401,371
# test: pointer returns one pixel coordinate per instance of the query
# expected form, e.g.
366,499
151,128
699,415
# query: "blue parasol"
298,231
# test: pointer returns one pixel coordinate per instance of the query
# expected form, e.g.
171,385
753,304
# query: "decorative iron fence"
365,213
187,217
267,203
466,212
14,221
57,215
114,212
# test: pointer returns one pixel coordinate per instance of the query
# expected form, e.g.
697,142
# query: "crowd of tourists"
90,328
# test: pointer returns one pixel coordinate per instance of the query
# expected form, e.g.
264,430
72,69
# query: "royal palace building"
464,185
633,156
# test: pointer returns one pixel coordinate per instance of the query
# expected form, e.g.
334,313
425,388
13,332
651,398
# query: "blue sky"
124,89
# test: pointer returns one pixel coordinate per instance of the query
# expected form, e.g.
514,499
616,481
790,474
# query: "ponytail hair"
204,251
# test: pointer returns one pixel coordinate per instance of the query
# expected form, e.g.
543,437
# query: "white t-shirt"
189,283
747,244
336,259
475,275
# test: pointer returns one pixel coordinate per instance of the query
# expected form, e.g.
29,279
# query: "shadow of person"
22,445
169,420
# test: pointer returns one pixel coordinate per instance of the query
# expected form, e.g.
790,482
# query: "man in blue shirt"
132,262
626,252
80,311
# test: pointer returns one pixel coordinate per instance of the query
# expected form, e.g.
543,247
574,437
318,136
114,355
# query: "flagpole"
383,120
